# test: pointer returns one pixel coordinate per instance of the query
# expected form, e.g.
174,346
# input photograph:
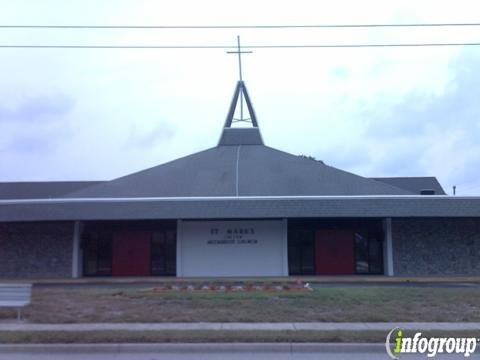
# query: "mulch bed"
216,286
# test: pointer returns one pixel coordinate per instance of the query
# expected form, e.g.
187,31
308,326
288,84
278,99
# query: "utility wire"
234,26
234,47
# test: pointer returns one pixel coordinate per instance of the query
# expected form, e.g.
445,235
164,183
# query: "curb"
235,326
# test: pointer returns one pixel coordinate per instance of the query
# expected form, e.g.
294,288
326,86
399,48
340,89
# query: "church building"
239,209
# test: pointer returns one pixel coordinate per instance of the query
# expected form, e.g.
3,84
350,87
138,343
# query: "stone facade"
423,247
36,250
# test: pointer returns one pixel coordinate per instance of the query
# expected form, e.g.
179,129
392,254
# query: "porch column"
285,246
76,252
388,247
179,248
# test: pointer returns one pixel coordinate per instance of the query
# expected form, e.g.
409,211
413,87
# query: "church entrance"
334,252
335,246
131,253
130,248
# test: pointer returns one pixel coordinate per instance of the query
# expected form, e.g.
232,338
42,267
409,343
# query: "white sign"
232,248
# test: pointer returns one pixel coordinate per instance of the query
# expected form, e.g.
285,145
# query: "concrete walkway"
207,351
323,326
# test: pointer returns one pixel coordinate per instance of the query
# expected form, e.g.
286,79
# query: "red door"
131,253
334,253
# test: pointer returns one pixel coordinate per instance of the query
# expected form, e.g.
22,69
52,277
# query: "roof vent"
427,192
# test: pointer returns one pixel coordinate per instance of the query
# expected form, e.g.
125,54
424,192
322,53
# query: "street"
202,352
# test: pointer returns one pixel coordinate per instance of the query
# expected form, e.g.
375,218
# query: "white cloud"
373,111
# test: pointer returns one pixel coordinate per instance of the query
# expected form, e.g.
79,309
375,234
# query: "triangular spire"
244,135
240,135
239,97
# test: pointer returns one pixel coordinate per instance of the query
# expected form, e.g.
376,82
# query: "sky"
90,114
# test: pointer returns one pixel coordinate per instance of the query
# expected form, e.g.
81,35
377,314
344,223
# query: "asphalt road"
204,352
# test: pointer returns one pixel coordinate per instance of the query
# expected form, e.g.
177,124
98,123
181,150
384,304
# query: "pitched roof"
41,189
240,165
241,170
239,178
414,184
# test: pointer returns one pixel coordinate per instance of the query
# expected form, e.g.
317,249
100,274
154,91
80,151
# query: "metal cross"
239,52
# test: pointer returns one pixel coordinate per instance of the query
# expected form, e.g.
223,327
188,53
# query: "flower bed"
219,286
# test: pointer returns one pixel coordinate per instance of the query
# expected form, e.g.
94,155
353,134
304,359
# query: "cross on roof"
239,52
240,92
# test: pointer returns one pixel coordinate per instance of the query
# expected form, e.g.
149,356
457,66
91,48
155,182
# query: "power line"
311,46
198,27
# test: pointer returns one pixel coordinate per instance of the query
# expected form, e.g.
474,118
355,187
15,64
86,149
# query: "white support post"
388,247
179,248
76,271
285,247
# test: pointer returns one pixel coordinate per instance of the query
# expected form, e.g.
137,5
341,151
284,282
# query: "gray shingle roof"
242,170
401,206
227,177
415,184
41,189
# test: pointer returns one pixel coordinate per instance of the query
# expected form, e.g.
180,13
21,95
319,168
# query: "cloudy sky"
70,114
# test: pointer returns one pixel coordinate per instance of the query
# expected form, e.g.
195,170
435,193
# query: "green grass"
206,336
337,304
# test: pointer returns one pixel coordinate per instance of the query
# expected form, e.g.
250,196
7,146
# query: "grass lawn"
207,336
337,304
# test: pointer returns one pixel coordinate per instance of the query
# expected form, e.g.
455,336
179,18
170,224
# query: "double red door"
131,253
334,252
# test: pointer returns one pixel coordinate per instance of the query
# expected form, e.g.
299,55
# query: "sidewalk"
186,351
14,326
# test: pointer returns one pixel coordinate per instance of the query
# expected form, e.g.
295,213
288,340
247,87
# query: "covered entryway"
335,246
129,248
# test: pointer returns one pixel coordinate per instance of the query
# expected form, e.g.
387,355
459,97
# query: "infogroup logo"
431,346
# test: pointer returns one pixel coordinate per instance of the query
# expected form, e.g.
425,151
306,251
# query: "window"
164,253
368,254
301,252
97,254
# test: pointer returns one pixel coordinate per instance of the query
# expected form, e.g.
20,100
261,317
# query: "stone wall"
36,250
426,247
